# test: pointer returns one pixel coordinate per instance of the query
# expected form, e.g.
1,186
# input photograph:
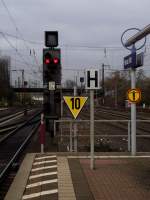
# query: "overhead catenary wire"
16,28
20,55
73,46
13,47
16,50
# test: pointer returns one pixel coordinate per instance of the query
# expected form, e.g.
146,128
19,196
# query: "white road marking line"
46,167
43,162
42,183
44,157
40,194
44,174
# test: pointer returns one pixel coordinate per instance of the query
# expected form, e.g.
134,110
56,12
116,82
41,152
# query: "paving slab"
81,187
119,179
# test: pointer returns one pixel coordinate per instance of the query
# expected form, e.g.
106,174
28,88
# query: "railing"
71,122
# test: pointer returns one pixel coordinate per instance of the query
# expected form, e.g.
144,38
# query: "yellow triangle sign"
75,104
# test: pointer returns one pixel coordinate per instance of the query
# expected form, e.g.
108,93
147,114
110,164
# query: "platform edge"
18,186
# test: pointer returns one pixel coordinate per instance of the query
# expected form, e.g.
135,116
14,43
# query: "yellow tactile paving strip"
42,182
65,186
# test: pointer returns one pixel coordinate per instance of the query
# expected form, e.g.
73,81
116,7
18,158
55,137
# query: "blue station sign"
140,59
130,61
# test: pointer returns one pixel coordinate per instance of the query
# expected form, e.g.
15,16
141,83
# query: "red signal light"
55,60
47,61
47,58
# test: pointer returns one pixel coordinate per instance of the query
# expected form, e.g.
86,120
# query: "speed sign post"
92,82
75,105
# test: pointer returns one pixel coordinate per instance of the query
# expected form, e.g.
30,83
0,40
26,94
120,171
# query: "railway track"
13,121
9,111
11,150
12,117
107,114
124,114
143,123
6,128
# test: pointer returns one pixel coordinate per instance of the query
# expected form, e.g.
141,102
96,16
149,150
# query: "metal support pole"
133,110
92,127
61,131
54,128
18,82
42,148
75,127
116,94
103,86
42,133
133,117
23,94
70,136
62,103
61,112
129,136
23,78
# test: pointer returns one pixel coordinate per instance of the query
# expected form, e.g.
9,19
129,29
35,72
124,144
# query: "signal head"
51,58
51,65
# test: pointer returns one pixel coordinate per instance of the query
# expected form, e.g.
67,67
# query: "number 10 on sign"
75,104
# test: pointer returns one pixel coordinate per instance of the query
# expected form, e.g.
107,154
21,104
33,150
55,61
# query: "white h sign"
92,80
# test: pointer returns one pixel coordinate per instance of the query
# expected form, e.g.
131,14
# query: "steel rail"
3,119
3,173
18,128
9,126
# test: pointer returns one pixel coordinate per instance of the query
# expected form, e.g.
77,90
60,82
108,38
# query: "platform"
62,176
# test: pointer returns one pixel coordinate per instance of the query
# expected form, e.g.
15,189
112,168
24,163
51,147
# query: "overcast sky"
85,27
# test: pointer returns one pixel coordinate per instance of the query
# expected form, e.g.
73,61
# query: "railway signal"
75,104
51,78
51,66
